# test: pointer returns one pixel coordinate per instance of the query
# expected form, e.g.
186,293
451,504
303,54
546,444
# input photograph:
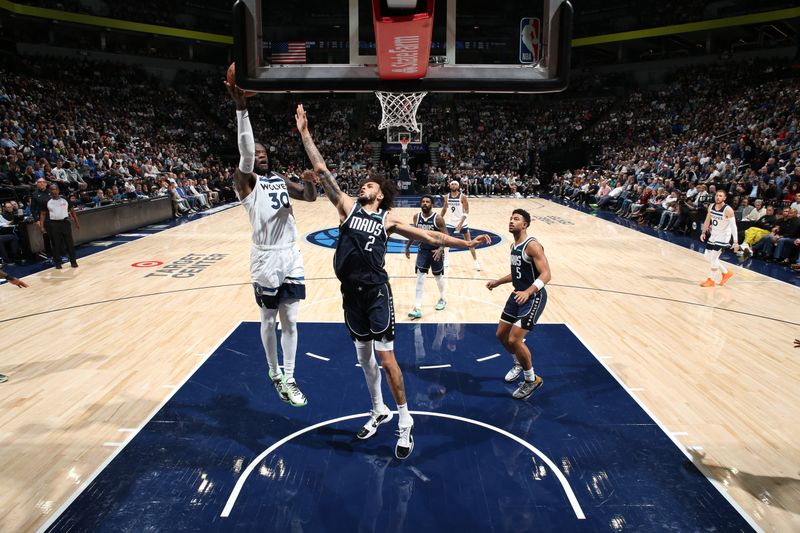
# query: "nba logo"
530,44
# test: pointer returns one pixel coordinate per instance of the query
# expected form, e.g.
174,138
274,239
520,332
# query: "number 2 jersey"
270,212
361,249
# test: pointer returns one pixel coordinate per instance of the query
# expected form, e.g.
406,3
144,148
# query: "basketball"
231,77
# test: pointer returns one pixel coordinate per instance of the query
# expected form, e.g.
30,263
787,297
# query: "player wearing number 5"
530,272
364,229
276,266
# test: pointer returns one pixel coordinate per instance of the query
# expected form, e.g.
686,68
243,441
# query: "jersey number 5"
279,201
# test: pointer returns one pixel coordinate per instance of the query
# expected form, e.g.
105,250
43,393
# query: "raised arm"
343,203
244,180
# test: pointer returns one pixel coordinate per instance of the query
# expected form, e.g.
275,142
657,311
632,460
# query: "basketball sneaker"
708,283
725,277
375,420
415,313
526,388
405,442
277,382
513,374
293,393
441,304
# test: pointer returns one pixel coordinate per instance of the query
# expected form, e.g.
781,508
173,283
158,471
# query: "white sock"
441,282
288,313
709,255
529,375
405,417
372,374
420,287
269,339
719,264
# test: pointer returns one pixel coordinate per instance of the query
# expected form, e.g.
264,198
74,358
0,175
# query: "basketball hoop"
404,145
399,109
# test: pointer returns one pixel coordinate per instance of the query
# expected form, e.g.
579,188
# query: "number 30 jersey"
361,249
270,212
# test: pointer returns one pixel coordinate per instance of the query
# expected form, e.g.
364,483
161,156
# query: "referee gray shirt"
59,209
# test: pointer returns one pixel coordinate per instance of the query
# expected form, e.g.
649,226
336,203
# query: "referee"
59,228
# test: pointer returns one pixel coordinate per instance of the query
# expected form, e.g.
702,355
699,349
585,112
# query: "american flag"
288,52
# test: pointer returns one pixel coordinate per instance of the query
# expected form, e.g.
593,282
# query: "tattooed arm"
343,202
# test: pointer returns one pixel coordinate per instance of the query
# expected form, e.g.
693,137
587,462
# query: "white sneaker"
513,374
375,420
477,266
294,394
405,442
277,382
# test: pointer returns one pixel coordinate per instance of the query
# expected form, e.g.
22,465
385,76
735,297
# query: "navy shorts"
426,261
527,314
369,312
270,298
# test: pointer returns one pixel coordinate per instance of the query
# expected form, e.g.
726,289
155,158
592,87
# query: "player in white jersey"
276,266
721,220
455,212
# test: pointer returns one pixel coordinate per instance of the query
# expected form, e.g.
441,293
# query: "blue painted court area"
580,446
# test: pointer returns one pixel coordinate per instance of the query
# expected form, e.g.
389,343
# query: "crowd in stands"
663,155
107,133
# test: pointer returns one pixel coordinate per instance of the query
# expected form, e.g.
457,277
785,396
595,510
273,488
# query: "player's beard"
367,199
426,212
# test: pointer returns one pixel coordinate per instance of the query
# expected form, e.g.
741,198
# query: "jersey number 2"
370,242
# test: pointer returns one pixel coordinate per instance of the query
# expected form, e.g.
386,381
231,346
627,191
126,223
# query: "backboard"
513,46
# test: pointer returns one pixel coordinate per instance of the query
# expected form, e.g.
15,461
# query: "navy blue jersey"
361,249
523,270
428,224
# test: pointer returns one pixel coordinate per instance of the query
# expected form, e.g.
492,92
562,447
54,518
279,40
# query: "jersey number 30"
279,201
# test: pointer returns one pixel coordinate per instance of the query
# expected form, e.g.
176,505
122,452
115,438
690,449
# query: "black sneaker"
405,442
375,420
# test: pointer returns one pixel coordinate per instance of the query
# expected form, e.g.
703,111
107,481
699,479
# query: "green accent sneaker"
277,382
295,396
415,313
441,304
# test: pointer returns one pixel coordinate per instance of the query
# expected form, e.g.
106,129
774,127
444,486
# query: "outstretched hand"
238,94
309,177
797,343
301,119
480,239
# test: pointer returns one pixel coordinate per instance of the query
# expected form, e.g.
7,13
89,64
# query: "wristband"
539,284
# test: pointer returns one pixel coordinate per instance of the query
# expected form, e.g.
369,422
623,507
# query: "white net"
399,109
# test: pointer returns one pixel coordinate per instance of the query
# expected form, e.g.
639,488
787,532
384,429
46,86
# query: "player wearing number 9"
276,266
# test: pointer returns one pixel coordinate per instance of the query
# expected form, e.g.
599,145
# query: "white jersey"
455,210
721,230
270,213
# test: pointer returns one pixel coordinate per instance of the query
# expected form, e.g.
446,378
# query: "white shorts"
277,272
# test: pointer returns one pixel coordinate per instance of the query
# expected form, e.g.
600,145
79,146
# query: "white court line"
482,359
429,367
315,356
102,467
113,444
576,507
675,441
359,366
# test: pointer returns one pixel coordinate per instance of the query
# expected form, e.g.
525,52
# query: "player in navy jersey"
364,228
276,266
428,256
530,272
